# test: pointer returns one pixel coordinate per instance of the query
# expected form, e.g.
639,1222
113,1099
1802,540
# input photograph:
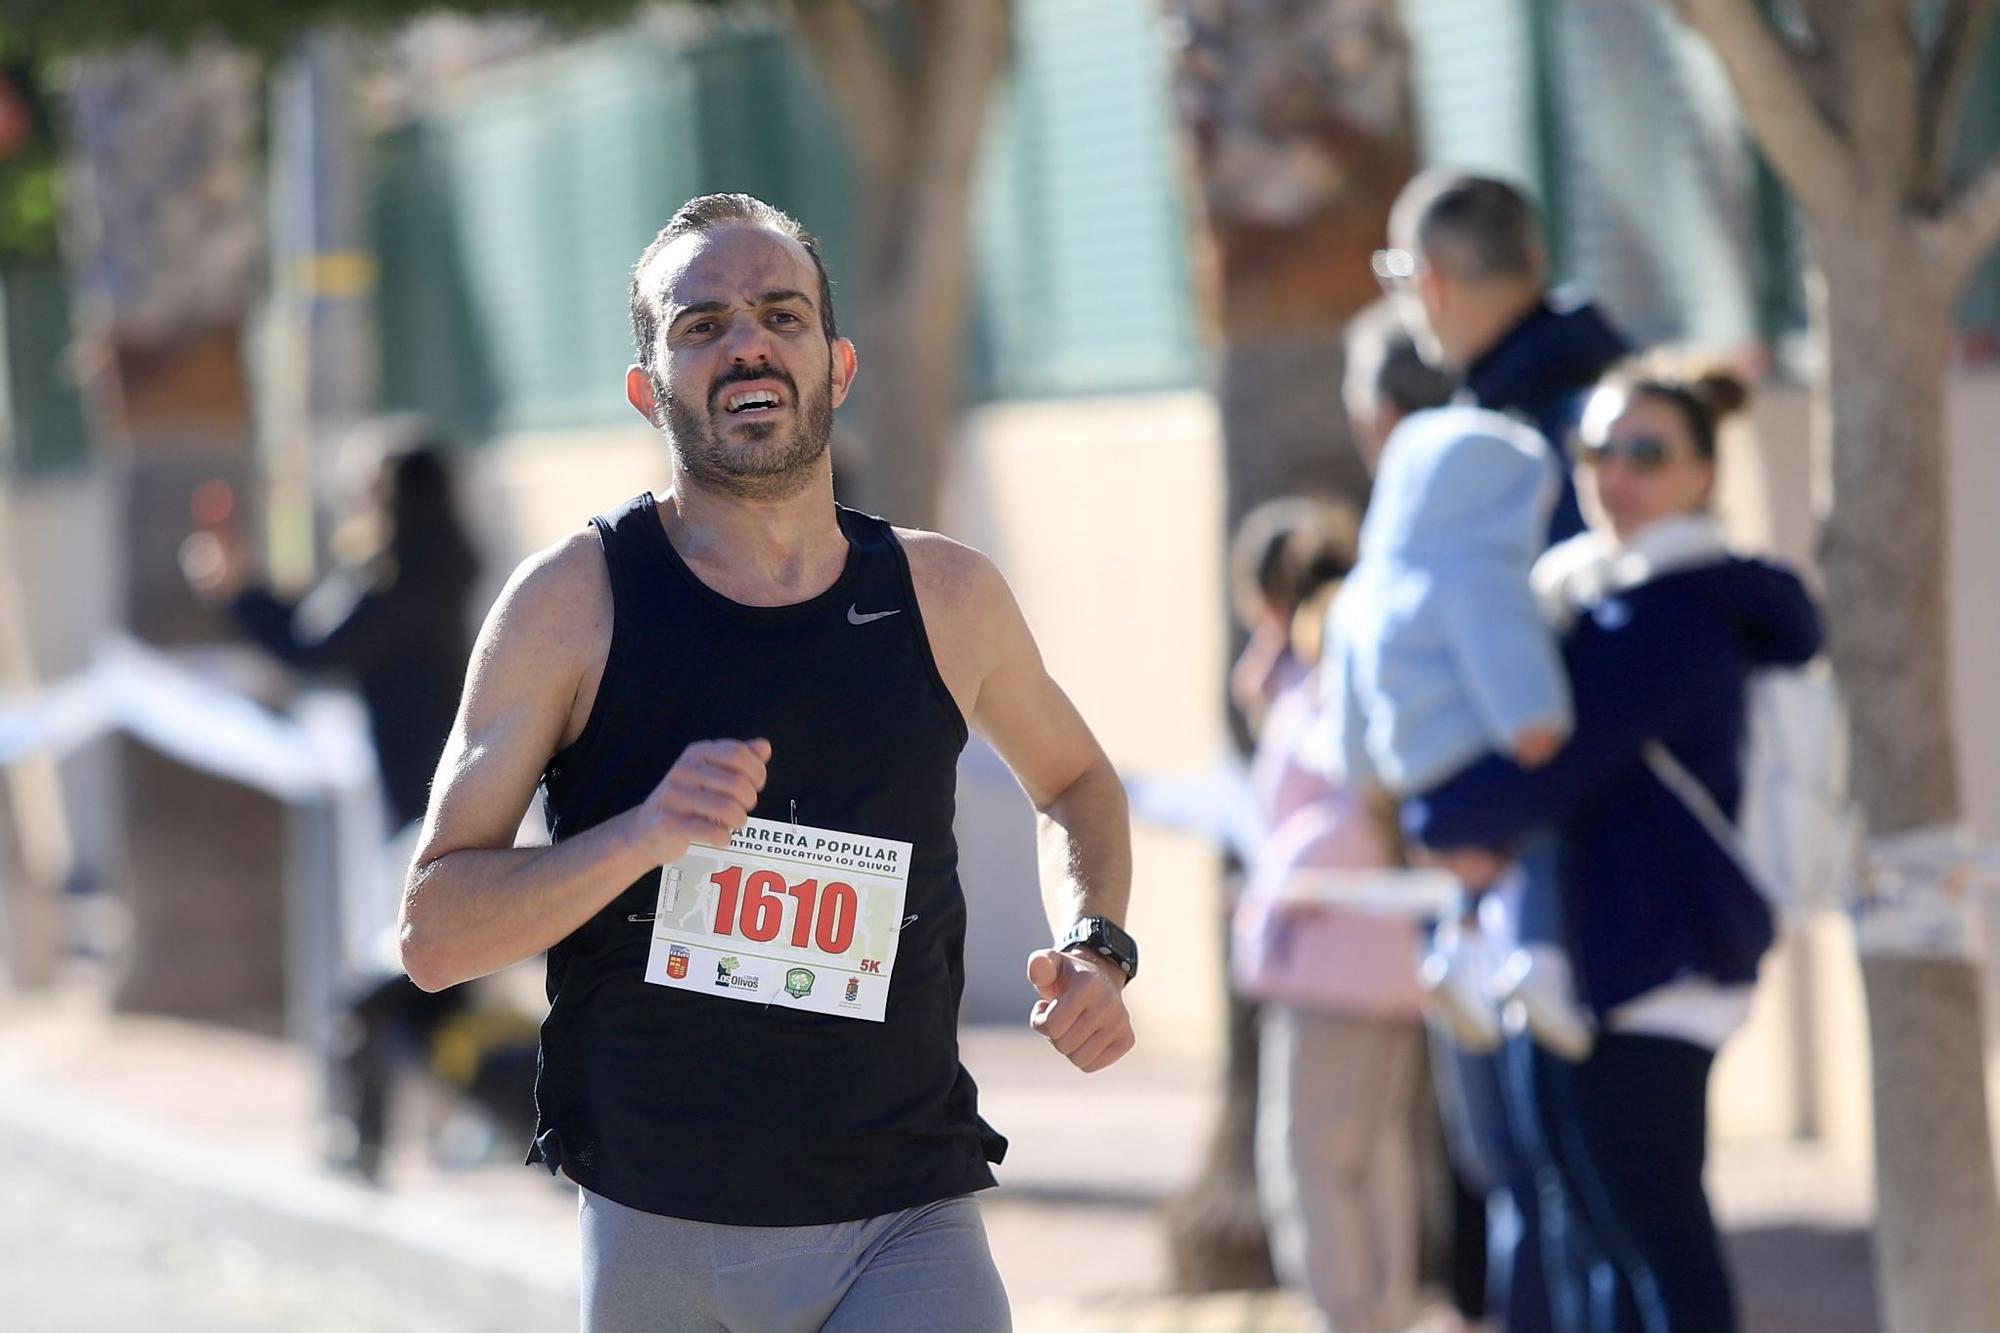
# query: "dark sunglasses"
1641,453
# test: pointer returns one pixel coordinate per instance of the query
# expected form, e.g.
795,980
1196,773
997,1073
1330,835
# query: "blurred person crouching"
391,618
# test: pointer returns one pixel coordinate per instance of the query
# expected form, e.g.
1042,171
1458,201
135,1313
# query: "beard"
759,460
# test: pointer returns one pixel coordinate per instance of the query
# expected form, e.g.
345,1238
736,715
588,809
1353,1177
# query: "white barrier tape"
1418,894
1931,892
1216,804
193,719
65,717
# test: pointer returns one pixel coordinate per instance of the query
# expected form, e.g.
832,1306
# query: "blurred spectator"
1439,652
1342,1044
1340,1034
1663,627
1284,551
1493,1255
1469,268
392,618
1466,252
1387,379
391,615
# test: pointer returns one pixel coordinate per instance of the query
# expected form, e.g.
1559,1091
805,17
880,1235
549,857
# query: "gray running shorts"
923,1270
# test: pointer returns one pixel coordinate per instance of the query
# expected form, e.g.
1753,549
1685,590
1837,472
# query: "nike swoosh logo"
854,616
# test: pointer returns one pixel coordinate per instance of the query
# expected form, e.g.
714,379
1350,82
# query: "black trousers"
1490,1133
387,1026
1628,1239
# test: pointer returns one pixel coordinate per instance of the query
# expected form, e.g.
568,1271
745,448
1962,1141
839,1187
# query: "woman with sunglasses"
1662,626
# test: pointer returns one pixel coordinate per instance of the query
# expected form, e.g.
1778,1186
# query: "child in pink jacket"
1341,1032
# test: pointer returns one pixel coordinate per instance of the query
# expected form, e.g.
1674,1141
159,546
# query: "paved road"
72,1264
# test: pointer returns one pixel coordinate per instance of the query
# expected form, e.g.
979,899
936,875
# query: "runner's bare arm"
990,662
473,902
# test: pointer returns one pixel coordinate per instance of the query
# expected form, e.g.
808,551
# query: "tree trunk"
1299,135
1884,330
915,355
1937,1225
37,855
164,248
1215,1231
1884,327
914,120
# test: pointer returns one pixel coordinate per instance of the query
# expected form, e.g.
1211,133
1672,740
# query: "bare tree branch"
1959,237
1773,84
1946,69
846,48
1813,53
1881,67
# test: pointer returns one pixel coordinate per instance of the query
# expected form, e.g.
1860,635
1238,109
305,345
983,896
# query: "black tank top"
713,1109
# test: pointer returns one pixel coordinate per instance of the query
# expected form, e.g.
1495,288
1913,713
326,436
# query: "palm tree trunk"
164,252
1299,135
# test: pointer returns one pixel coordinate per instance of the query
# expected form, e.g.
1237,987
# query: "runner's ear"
845,362
639,393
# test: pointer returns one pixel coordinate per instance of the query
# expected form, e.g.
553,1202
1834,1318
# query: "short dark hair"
1384,362
700,214
1473,228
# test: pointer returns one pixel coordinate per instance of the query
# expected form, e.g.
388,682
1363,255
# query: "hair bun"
1722,393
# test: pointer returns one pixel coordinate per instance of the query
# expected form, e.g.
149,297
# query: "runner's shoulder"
957,579
557,601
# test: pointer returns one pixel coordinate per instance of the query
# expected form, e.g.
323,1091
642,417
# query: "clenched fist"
1082,1009
705,797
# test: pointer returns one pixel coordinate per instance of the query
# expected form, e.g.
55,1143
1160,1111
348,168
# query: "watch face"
1106,939
1120,941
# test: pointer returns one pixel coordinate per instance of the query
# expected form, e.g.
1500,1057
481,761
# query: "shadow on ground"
1804,1279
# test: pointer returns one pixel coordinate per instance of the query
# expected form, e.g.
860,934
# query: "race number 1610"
755,908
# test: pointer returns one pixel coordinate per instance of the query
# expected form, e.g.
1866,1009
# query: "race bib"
786,914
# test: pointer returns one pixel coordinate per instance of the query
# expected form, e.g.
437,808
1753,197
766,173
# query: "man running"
746,705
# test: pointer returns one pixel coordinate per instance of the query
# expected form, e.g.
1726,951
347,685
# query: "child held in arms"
1437,654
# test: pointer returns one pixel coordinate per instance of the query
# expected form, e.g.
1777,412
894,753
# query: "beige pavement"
215,1126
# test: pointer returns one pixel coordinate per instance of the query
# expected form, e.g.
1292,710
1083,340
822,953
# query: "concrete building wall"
1105,516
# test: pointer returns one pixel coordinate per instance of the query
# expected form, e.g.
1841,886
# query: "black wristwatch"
1102,935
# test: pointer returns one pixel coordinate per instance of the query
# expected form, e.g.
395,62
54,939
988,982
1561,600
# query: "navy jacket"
1647,894
1542,369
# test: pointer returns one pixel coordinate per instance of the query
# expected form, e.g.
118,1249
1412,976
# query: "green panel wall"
1978,141
507,229
1475,86
1081,237
507,224
41,414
